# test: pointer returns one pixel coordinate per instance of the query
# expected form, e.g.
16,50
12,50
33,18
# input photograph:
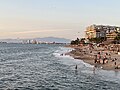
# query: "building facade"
97,31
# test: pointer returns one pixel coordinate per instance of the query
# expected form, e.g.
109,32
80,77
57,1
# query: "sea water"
46,67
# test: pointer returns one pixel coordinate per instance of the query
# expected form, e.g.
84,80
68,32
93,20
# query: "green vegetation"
97,40
78,41
75,42
117,38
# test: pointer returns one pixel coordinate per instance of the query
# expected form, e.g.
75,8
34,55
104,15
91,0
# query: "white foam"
86,68
61,52
68,59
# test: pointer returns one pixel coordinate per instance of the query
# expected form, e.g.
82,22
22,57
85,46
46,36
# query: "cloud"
35,31
40,31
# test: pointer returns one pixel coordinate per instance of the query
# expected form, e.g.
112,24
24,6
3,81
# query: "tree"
117,38
97,40
82,40
75,42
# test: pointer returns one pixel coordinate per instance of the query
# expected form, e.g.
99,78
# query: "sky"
55,18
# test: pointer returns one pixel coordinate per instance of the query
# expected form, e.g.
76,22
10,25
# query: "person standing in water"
76,72
76,67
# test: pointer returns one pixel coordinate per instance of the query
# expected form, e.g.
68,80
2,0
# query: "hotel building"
97,31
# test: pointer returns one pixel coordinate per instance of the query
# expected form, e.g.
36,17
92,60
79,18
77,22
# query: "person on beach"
95,60
109,57
98,52
99,57
115,65
115,58
104,58
106,53
90,51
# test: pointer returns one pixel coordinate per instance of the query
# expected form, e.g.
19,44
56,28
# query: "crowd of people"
105,56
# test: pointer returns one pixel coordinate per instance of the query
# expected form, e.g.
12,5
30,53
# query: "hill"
53,39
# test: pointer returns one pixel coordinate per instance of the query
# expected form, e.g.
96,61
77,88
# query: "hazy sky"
58,18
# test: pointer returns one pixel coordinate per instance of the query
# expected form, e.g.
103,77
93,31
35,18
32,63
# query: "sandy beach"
87,54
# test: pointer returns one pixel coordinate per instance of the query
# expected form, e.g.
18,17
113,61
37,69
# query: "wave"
61,53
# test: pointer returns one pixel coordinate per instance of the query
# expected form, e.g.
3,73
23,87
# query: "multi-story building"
97,31
111,35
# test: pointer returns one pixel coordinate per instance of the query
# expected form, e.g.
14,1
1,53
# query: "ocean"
42,67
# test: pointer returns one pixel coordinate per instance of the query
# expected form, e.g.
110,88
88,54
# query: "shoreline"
88,56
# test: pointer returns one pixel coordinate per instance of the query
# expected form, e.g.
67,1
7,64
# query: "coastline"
88,56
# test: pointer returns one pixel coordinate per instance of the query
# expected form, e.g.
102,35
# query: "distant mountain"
46,39
53,39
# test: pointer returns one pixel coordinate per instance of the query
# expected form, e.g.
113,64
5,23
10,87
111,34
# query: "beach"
88,53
